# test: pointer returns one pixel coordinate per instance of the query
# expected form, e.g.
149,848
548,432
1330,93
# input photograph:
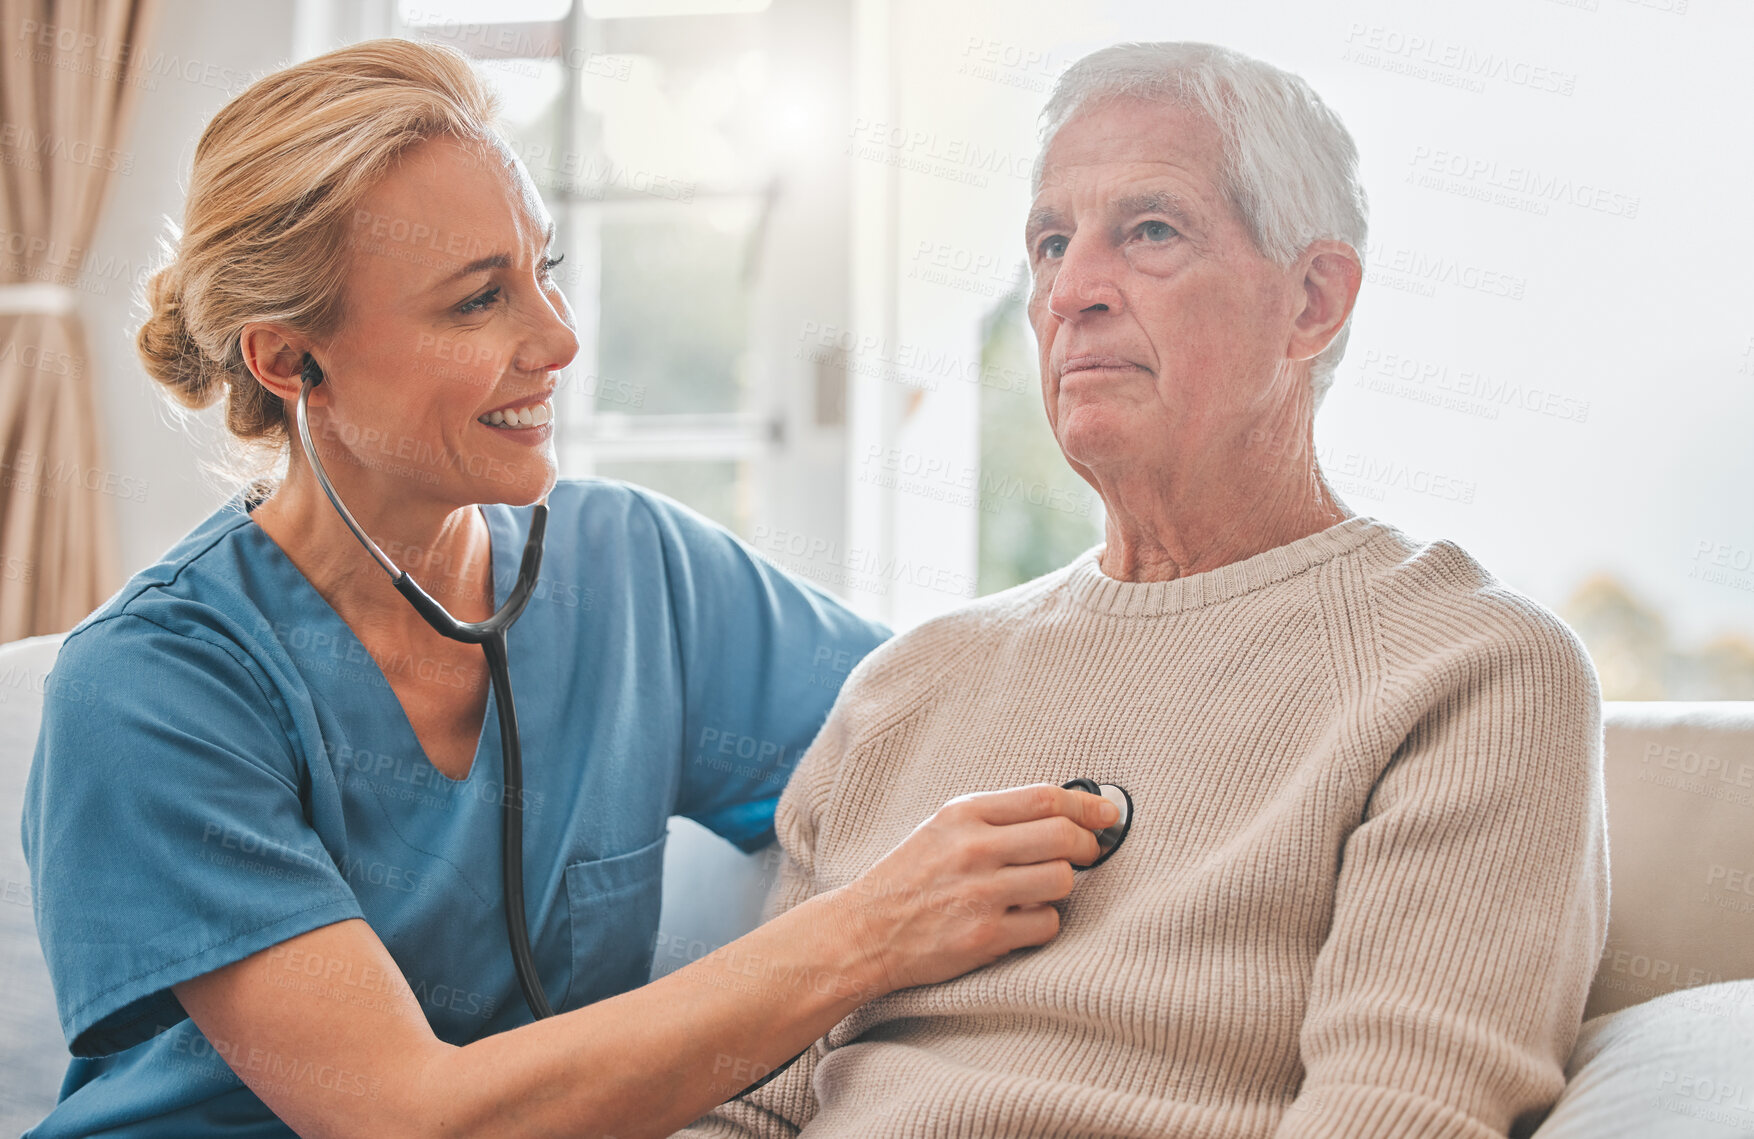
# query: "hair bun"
166,347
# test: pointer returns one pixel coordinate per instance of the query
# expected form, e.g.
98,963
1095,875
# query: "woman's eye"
1157,231
480,303
491,297
1054,246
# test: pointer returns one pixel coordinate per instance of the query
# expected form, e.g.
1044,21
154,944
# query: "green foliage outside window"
1036,514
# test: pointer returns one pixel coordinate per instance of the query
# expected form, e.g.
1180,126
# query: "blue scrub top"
223,767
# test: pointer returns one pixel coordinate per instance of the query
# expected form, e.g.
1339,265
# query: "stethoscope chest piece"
1109,838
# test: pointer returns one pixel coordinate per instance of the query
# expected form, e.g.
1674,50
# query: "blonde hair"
278,174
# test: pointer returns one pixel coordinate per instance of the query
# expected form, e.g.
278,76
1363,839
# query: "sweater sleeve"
1471,903
780,1108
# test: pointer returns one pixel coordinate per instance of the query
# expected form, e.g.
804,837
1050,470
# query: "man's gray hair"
1290,168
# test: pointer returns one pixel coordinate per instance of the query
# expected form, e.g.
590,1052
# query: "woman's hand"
348,1057
973,882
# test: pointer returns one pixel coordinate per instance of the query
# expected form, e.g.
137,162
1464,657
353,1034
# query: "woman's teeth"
534,415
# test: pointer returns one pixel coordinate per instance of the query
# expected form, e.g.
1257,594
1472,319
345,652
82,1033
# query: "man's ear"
1331,276
275,357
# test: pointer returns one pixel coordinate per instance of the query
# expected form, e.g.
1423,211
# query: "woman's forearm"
968,886
649,1061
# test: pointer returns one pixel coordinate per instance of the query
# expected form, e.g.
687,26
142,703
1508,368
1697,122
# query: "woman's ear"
274,357
1332,275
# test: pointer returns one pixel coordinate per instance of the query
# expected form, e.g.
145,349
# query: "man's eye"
1157,231
481,303
1054,246
548,265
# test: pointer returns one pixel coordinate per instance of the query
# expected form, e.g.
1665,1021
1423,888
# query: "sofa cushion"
1680,1066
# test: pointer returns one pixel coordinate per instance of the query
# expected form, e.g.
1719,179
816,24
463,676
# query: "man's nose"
1084,283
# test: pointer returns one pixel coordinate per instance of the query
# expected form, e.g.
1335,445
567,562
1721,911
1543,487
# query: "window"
663,135
1036,514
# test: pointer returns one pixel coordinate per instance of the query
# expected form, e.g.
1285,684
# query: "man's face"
1163,331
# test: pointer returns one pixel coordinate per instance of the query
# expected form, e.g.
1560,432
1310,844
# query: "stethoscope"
491,636
1109,838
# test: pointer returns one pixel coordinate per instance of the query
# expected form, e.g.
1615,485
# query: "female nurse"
267,865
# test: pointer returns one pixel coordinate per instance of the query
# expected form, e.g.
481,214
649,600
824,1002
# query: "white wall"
205,51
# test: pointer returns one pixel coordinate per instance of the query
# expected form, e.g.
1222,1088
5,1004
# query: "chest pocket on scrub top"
613,905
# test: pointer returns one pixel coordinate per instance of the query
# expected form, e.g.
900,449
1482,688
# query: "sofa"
1667,1047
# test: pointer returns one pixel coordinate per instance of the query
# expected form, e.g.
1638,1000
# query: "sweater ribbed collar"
1097,591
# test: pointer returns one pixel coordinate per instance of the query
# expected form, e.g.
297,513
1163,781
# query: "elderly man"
1366,883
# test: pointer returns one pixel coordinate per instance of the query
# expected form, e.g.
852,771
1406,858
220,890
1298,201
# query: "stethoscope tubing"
491,636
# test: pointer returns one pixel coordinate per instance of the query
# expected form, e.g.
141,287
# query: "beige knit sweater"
1364,893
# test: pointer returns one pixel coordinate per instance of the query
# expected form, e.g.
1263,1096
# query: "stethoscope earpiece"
1109,838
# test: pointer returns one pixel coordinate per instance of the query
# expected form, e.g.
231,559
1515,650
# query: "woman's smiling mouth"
529,415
